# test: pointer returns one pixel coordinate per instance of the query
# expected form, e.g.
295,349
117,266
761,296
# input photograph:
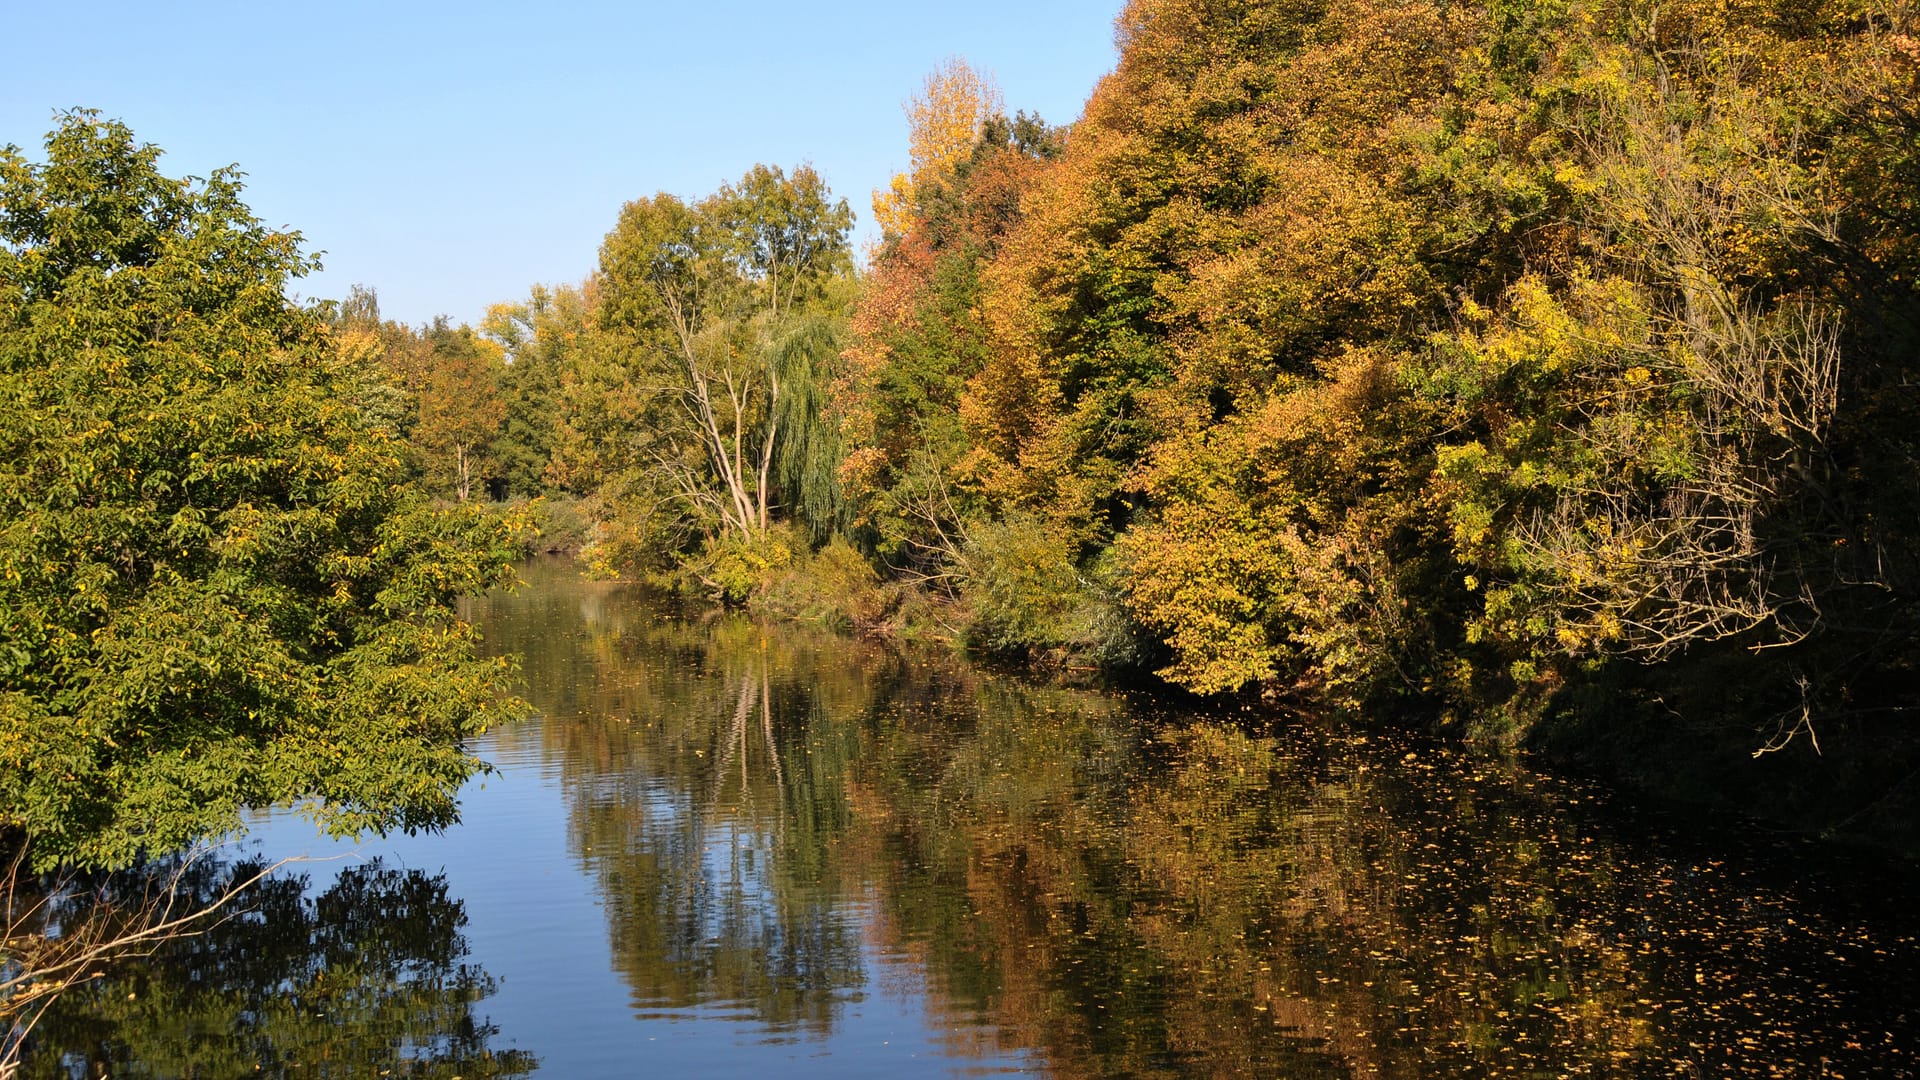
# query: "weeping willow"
808,456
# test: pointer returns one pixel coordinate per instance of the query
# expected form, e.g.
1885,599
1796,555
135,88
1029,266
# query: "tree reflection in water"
782,822
709,824
369,978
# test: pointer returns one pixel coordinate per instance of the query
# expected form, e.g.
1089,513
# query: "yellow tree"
461,408
943,121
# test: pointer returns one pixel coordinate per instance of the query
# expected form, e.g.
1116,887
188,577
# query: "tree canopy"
217,590
724,309
1516,364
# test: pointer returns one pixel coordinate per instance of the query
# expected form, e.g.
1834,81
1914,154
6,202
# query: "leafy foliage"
943,122
723,309
1478,357
216,591
1490,361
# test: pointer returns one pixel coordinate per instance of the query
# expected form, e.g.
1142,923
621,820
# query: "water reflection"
704,845
368,978
782,822
788,853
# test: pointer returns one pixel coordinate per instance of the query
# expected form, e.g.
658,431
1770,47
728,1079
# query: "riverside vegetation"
1541,368
219,588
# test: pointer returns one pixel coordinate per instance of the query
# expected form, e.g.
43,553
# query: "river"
723,848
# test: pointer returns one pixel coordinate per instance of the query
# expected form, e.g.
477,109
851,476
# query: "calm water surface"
728,849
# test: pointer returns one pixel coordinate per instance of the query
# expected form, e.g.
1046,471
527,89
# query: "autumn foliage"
1526,367
1502,359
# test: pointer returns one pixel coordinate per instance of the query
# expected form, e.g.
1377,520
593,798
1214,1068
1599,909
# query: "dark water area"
730,849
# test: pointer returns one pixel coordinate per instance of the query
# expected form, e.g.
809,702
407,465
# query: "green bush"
836,586
734,569
1026,597
559,524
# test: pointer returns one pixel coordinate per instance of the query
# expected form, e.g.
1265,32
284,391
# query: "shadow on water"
368,978
784,831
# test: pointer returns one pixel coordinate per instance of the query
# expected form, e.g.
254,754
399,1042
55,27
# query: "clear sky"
451,155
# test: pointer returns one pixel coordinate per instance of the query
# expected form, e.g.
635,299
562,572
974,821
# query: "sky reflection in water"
738,849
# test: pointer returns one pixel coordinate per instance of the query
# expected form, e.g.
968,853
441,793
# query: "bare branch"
43,956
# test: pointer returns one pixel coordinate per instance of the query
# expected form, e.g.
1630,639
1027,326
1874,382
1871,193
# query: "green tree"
216,592
369,347
917,338
538,337
729,308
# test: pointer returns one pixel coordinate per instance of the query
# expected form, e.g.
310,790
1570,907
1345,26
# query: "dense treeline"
1507,362
1545,368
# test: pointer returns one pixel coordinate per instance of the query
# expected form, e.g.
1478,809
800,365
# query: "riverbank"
1851,782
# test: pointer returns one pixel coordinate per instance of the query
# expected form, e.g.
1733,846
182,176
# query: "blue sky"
451,155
